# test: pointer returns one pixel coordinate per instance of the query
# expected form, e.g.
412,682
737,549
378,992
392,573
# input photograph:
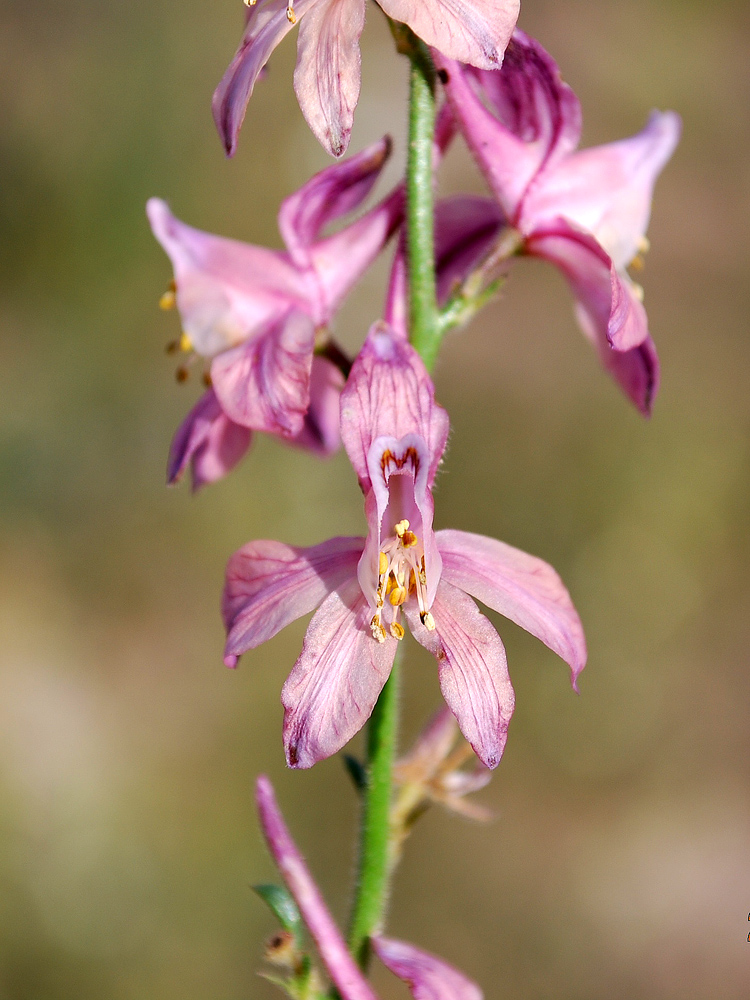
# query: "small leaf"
356,772
280,902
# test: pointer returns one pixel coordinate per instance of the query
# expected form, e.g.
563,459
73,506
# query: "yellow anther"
167,301
186,343
376,627
397,596
644,244
250,3
206,379
428,621
401,528
637,263
182,374
408,539
638,291
397,631
290,15
382,563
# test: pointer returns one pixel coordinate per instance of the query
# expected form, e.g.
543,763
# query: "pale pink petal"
321,432
432,745
226,290
265,383
523,588
466,227
428,977
267,24
209,440
327,75
329,195
389,394
472,668
341,966
607,190
269,584
472,31
335,683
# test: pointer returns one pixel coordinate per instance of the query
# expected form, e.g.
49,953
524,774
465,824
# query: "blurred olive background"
619,862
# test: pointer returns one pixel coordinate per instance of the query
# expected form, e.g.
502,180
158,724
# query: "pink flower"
256,313
428,977
327,77
586,211
395,435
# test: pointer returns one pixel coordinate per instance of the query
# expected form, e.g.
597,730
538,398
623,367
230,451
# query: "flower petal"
226,290
523,588
335,683
269,584
466,227
267,23
472,667
607,190
428,977
330,194
472,31
208,439
265,383
389,394
320,431
342,968
327,75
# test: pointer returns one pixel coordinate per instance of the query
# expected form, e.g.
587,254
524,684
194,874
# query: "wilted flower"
327,77
394,434
428,977
259,314
585,211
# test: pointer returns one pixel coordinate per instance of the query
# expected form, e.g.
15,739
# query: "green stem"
424,326
372,881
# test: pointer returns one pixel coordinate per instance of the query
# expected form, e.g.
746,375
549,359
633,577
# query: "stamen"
182,374
398,596
644,244
376,627
250,3
168,301
291,16
397,631
382,563
428,621
401,528
186,343
638,290
207,380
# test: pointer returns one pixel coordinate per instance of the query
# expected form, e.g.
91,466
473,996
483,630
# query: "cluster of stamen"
183,344
638,263
401,574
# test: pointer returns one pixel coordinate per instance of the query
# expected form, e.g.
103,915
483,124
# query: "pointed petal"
472,31
428,977
341,966
335,683
269,584
530,118
265,383
267,23
320,431
472,668
226,289
523,588
430,748
389,394
466,227
607,190
208,439
329,195
327,75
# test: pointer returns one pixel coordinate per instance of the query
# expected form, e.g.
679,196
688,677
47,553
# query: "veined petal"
209,440
472,31
329,195
267,23
428,977
226,290
472,668
327,75
342,968
335,683
320,431
466,226
265,383
389,394
270,584
607,190
523,588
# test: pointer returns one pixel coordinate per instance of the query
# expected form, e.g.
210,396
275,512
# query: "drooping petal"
226,290
341,966
523,588
327,75
267,24
607,190
428,977
265,383
335,683
389,394
209,440
269,584
472,668
472,31
321,432
329,195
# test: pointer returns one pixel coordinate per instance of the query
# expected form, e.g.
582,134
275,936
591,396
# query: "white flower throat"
401,574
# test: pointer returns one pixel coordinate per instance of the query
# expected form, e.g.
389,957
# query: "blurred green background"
619,864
